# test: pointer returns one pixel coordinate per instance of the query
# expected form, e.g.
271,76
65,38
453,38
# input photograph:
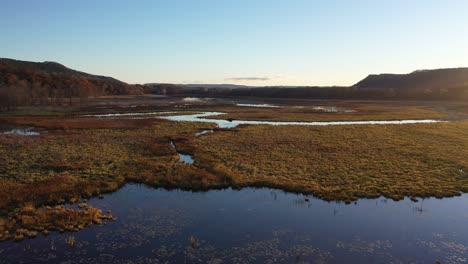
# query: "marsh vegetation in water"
256,226
247,226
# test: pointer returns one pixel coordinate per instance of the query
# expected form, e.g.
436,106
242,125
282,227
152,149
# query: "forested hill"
440,81
36,83
46,83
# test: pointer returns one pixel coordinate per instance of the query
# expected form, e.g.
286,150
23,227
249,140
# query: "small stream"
184,158
23,131
222,123
203,132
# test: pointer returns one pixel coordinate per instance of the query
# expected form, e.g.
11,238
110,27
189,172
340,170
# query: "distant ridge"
417,80
439,84
42,83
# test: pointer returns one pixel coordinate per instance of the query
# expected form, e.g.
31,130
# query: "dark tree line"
439,84
324,93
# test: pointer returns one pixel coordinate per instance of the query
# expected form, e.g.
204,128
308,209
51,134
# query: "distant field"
332,112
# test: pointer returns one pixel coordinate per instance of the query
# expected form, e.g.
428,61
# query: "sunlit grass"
79,157
344,162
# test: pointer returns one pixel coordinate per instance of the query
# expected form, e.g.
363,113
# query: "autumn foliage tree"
50,83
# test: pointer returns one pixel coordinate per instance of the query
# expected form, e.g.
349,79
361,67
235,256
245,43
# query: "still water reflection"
223,123
256,226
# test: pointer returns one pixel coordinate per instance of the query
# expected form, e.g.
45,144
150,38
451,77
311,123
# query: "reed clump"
27,221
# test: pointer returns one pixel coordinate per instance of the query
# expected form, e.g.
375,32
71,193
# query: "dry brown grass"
344,162
28,220
61,164
64,165
70,122
81,157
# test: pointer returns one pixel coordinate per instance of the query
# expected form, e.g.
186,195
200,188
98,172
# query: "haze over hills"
35,83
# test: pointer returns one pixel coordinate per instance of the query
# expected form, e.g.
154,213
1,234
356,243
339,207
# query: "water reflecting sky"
257,226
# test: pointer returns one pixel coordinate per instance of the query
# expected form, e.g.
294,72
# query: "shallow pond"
23,131
184,158
223,123
256,226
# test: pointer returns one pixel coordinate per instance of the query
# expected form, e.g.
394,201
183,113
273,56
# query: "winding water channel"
25,131
223,123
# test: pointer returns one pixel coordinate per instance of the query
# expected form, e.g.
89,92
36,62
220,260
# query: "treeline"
25,83
29,83
323,93
439,84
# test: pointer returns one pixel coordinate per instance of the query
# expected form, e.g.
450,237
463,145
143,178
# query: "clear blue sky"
256,42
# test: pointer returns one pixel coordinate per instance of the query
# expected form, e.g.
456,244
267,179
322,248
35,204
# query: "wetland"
216,181
255,226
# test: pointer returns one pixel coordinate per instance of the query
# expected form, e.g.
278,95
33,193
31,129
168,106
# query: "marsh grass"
28,220
347,112
69,164
343,162
81,157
